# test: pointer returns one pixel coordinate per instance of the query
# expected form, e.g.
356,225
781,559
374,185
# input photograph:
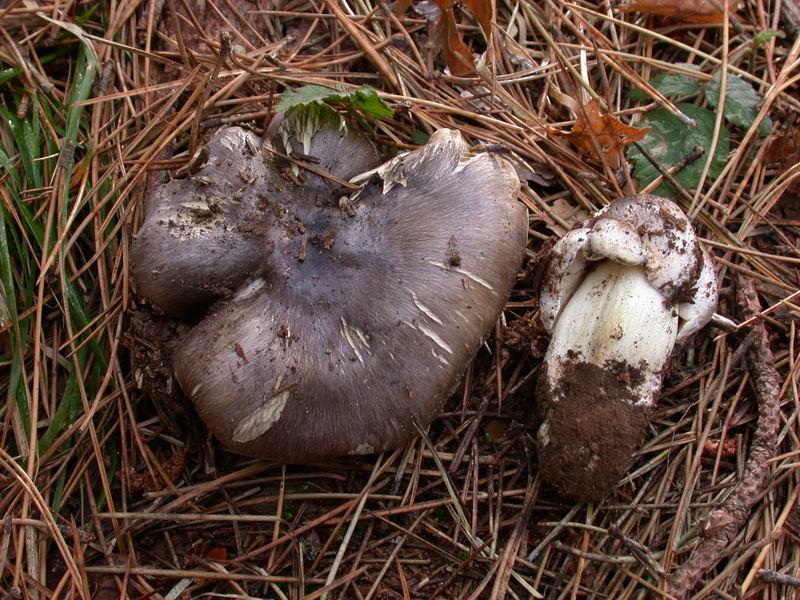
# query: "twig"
723,524
6,540
648,562
668,174
770,576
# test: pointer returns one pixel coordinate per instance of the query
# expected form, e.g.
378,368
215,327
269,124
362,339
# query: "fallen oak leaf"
692,11
611,134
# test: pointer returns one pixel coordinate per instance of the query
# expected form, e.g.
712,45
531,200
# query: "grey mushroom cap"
636,230
333,321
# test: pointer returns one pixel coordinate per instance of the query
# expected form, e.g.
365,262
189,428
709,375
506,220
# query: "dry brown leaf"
711,447
482,10
692,11
785,150
611,134
401,7
173,467
457,56
571,214
217,553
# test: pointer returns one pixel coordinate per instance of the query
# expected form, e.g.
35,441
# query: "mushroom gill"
330,318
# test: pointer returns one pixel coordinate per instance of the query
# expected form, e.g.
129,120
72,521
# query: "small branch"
669,174
647,561
723,524
770,576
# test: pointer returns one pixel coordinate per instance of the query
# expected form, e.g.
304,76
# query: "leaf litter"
108,490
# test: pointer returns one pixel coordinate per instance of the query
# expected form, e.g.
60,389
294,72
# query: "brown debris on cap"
333,319
674,256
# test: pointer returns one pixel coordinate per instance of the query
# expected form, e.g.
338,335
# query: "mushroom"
618,293
328,320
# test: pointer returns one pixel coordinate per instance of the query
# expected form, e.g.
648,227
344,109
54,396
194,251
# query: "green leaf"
419,137
741,102
308,94
670,140
763,37
671,85
364,99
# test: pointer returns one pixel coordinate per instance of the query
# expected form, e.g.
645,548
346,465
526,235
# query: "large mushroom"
618,294
329,319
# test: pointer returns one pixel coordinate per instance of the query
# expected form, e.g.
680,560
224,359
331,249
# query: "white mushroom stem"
615,320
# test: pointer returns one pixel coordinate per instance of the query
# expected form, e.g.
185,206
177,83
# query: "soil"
593,428
151,339
526,333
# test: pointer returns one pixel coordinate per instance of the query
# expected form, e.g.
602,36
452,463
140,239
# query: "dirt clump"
591,427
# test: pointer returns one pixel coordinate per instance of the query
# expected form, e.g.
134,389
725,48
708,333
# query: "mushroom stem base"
589,432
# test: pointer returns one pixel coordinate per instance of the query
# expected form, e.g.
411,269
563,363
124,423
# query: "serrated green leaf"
308,94
365,99
675,85
670,140
741,102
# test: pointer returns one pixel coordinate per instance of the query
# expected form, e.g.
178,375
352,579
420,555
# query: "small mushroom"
618,294
329,319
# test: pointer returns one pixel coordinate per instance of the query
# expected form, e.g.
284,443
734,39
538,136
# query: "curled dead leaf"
457,56
482,10
611,135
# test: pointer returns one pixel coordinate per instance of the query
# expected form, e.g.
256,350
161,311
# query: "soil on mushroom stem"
590,414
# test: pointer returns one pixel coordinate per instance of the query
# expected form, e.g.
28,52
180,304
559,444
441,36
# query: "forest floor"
108,492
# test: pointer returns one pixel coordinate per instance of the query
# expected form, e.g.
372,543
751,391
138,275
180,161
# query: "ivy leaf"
670,140
364,99
741,102
671,85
